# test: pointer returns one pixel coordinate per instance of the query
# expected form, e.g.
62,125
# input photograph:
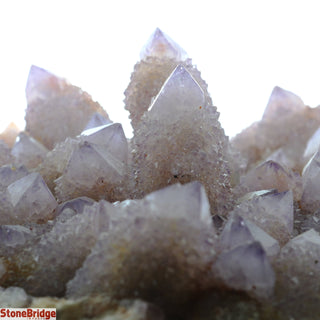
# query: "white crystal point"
246,267
97,120
281,104
179,94
31,199
181,201
14,235
28,151
111,136
313,145
310,200
10,173
162,46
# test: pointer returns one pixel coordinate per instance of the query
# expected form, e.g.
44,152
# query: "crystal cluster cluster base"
177,222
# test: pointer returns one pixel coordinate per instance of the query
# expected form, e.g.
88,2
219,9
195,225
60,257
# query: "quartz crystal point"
246,267
271,175
159,58
180,140
56,109
31,200
272,212
159,248
239,231
287,123
310,200
97,120
97,166
28,152
312,146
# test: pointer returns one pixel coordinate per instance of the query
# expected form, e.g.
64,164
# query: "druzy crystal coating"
177,222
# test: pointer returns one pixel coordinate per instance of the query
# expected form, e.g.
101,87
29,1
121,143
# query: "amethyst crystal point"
159,58
179,139
56,110
271,175
239,231
271,212
162,249
162,46
310,200
111,136
28,152
97,120
169,103
97,165
246,268
31,199
282,103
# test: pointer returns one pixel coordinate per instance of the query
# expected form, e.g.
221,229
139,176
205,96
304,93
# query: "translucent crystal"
9,174
310,200
247,268
97,166
272,212
12,236
56,110
28,152
271,175
159,249
31,199
239,231
179,139
97,120
287,123
159,58
162,46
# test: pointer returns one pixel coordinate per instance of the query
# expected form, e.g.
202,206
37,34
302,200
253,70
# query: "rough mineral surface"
286,126
176,220
178,139
56,110
175,223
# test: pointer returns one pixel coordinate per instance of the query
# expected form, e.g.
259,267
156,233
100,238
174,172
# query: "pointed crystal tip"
162,46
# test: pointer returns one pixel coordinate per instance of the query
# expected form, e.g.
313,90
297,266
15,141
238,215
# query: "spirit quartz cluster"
177,222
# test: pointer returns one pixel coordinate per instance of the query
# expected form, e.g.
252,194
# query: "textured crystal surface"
174,223
272,212
246,267
31,199
56,110
287,123
97,166
159,58
177,221
28,152
239,231
178,139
